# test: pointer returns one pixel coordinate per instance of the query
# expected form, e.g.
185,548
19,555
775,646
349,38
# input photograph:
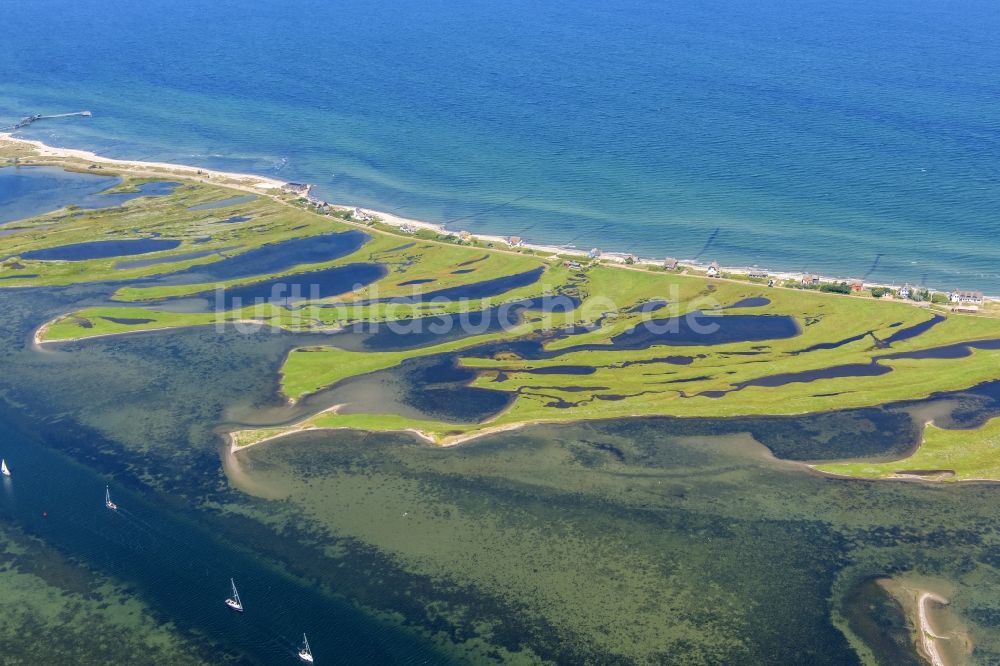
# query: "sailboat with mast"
3,467
306,653
107,499
234,601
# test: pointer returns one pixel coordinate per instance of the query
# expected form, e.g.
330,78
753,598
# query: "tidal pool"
687,330
752,302
274,258
102,249
475,290
173,258
291,289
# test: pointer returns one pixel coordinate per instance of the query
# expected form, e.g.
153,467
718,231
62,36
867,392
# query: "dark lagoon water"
572,543
156,261
288,290
29,191
102,249
177,564
475,290
274,258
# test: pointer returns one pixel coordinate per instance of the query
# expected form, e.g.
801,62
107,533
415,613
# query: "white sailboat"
306,653
107,499
234,601
3,467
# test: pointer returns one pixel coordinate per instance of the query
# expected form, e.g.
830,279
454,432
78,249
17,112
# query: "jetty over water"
27,120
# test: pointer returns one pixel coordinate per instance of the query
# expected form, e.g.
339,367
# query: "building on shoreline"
361,215
967,297
301,189
670,264
713,269
757,274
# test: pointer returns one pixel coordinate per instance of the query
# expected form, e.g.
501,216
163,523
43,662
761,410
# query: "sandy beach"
247,182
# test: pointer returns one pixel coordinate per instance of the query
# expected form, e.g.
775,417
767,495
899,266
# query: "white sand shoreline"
928,638
264,184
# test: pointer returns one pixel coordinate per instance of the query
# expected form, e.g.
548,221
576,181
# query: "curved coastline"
263,185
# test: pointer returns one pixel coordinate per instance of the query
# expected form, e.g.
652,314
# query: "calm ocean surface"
846,138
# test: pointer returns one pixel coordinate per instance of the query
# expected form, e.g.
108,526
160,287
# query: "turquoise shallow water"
836,137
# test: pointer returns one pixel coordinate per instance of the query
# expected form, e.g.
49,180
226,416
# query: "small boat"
107,499
3,467
234,601
306,653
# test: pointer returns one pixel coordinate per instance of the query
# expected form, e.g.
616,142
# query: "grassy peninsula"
944,455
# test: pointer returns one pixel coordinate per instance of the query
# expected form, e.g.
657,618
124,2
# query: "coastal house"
973,297
464,236
965,309
361,215
670,264
571,264
757,274
407,229
906,291
856,286
809,279
713,269
515,241
302,189
594,253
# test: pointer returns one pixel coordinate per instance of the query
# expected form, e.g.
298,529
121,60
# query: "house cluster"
408,229
966,297
301,189
361,215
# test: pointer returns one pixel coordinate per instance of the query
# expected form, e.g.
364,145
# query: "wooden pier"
27,120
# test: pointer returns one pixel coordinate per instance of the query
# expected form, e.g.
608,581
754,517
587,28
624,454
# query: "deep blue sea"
855,139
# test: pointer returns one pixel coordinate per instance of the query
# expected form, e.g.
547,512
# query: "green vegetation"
944,455
685,380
